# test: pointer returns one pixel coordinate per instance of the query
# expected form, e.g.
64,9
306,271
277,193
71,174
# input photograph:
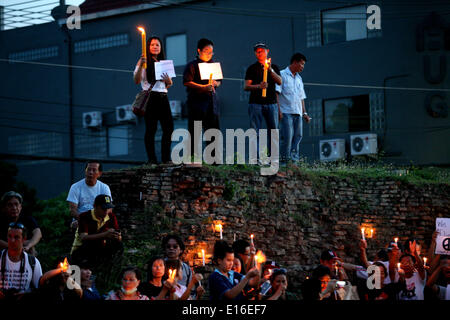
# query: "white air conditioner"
332,149
92,119
175,108
125,113
363,143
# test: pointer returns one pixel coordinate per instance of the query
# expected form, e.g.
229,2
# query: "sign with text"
443,238
164,66
206,69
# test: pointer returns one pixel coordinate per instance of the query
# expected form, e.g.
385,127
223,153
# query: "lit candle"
144,51
337,270
266,67
362,233
371,233
251,239
398,266
424,262
220,229
234,237
210,79
64,266
395,239
203,255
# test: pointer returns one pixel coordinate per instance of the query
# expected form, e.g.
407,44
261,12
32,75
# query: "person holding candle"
291,97
202,102
411,274
329,259
174,274
131,278
224,283
158,107
245,252
53,286
260,107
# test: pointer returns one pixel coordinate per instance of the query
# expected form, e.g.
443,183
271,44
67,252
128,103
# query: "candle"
220,229
371,233
144,49
398,266
266,67
424,262
251,239
362,233
210,79
234,237
395,239
336,269
203,255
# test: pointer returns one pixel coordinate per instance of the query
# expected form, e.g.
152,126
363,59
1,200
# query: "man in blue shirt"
291,97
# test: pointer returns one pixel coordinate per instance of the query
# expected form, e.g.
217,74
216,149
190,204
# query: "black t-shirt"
197,98
28,221
149,289
388,292
256,73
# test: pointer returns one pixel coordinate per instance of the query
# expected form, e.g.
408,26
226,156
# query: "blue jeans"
292,133
259,112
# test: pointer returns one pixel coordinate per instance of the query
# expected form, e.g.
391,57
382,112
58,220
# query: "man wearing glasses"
19,272
201,96
11,203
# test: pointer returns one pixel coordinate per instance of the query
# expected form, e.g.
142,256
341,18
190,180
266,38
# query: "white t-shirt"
13,277
83,195
414,287
444,292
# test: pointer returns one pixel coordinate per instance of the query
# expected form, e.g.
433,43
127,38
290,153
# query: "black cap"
328,255
260,45
104,201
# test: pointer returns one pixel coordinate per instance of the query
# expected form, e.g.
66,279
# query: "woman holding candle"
158,107
174,273
131,278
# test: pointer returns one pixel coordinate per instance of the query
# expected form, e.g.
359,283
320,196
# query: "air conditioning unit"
125,113
332,149
175,108
92,119
363,143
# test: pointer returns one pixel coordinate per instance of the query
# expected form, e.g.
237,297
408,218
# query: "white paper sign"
164,66
443,238
207,68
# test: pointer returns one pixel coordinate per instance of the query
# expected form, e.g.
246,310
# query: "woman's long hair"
150,62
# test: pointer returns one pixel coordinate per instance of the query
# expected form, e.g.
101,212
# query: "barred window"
101,43
43,144
35,54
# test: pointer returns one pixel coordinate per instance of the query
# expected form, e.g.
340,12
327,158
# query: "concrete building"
392,82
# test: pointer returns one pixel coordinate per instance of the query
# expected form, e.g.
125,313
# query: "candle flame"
251,236
64,265
172,274
395,239
371,233
142,30
260,257
203,252
398,266
266,64
424,261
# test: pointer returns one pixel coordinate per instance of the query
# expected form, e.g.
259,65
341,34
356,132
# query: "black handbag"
140,102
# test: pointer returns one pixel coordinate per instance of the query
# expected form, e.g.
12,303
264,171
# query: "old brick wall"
293,218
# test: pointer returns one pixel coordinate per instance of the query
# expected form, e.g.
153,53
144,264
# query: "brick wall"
293,218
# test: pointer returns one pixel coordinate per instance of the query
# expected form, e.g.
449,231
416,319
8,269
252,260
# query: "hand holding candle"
144,46
266,68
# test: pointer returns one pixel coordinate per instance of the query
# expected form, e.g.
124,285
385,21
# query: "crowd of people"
398,271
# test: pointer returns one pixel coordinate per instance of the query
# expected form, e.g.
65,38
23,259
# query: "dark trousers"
158,109
209,121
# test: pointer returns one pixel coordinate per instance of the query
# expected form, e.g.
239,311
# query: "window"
347,114
45,144
176,49
35,54
118,141
101,43
344,24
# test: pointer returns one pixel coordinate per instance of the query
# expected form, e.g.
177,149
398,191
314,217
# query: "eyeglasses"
16,225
